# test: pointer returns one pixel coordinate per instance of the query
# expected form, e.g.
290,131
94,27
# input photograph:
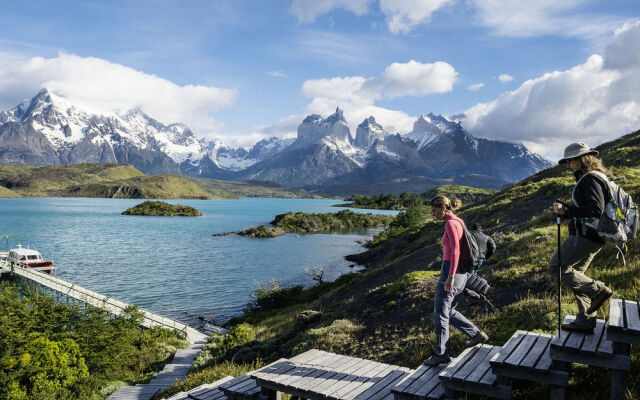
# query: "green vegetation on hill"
51,350
386,313
97,180
390,202
4,192
302,222
161,208
224,189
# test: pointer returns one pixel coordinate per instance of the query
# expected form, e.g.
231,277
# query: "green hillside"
4,193
97,180
385,313
220,188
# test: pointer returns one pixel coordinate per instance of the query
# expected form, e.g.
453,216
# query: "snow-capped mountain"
50,130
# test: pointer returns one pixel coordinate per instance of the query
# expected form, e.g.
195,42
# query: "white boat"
29,258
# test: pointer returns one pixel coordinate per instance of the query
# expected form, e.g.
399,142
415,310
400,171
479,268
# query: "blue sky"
269,63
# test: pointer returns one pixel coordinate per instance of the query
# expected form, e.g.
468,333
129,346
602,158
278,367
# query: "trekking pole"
559,278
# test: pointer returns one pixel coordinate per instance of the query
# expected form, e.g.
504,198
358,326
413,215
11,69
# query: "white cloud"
403,16
504,78
517,18
357,95
102,86
475,86
591,102
308,10
277,74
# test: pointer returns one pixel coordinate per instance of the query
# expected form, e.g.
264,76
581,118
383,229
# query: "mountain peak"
336,116
368,132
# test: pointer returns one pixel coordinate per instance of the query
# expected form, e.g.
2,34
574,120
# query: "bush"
401,284
238,334
270,295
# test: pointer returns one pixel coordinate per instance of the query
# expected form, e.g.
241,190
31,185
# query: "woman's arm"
454,242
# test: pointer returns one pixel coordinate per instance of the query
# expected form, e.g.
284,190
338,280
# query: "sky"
545,73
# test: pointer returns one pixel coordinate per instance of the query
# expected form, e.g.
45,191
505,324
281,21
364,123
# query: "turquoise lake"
173,265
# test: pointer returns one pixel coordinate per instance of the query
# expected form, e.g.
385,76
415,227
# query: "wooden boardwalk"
481,370
172,373
111,305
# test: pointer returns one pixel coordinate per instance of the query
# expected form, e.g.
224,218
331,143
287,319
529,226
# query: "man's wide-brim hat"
576,150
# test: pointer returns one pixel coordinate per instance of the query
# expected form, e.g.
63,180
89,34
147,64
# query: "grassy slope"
396,325
4,193
247,189
97,180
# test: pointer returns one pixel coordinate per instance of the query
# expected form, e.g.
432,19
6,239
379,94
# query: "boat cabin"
29,258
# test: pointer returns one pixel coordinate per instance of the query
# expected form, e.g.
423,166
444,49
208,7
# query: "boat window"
32,257
23,258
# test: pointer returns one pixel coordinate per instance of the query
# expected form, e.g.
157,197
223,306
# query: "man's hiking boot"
479,338
580,326
599,299
437,359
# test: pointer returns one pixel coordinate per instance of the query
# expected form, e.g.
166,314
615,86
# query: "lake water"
173,265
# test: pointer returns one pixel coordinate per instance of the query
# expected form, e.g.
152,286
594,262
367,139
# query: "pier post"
618,377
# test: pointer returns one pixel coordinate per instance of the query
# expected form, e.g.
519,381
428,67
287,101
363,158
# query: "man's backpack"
469,252
619,221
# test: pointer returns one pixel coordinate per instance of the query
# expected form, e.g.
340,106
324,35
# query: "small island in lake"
302,222
161,208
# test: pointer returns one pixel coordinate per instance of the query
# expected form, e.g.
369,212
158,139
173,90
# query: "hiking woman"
451,283
583,243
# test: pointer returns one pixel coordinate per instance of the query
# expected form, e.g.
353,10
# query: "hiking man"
486,245
451,283
583,243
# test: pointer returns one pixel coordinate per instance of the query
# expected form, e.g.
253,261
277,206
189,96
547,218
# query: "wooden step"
209,391
422,383
624,322
526,356
471,372
592,349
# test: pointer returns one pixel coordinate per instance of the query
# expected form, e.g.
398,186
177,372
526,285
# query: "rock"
305,318
223,234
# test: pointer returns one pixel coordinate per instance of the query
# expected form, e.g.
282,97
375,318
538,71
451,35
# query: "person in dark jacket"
583,243
486,245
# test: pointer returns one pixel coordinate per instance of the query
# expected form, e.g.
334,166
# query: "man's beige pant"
577,254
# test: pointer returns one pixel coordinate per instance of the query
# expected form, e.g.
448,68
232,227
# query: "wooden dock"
87,296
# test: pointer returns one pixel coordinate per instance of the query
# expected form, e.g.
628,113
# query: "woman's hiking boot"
599,299
437,359
580,326
479,338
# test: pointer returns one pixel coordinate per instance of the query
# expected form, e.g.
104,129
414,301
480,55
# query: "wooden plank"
327,382
342,379
471,365
356,377
313,379
488,378
409,379
418,386
309,354
616,314
591,340
606,348
617,362
545,361
562,335
368,380
314,385
633,319
552,377
522,350
294,374
574,341
542,343
383,387
457,362
302,381
432,384
511,344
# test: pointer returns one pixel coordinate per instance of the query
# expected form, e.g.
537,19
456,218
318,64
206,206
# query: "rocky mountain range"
49,130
